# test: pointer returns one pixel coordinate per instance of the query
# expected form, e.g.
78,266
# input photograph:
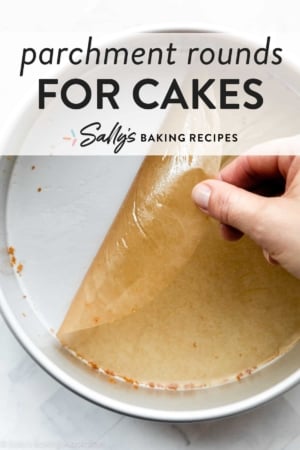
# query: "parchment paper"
166,301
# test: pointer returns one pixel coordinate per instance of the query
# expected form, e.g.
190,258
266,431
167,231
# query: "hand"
259,196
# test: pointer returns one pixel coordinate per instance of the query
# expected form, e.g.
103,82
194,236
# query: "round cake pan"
32,190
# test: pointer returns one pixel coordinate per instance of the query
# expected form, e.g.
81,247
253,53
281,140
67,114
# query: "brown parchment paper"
226,312
166,301
153,236
155,232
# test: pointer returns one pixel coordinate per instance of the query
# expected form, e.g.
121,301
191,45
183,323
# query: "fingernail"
269,257
201,195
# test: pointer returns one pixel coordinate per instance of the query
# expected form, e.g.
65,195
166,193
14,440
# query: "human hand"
259,196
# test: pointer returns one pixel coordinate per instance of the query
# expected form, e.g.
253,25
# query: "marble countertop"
35,411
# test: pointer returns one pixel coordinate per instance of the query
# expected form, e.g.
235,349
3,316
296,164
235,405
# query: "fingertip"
201,195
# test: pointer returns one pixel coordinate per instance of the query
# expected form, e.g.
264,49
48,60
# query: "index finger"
248,170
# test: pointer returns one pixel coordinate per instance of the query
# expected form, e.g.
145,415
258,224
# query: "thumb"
231,205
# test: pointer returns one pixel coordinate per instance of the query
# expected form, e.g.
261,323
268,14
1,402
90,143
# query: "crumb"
19,268
11,250
172,387
195,344
24,315
151,384
24,296
52,330
112,380
12,260
129,380
39,189
32,167
93,365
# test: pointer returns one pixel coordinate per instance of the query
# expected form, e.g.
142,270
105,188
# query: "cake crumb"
19,268
39,189
93,365
172,387
11,250
129,380
13,259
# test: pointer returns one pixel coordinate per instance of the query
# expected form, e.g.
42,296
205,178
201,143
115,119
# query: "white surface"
35,412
